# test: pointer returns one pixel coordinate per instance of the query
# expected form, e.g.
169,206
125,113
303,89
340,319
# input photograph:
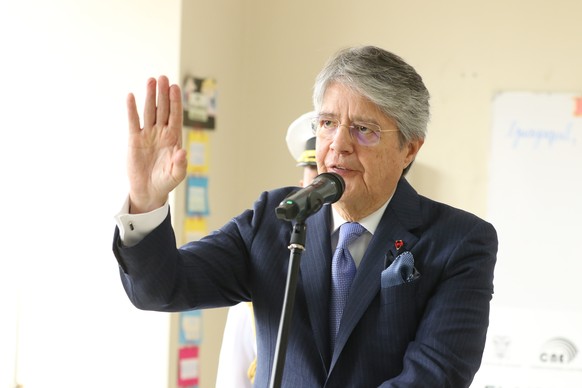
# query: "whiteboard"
535,203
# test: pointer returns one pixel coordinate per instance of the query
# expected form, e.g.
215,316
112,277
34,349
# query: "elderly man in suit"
393,289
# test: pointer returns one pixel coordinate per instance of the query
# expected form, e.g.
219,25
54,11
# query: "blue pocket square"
400,271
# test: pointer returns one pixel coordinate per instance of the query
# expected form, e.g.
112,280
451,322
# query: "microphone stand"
296,246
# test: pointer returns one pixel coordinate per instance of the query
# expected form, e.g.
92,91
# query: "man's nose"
343,139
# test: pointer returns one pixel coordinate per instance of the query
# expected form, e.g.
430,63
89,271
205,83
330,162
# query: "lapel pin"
398,244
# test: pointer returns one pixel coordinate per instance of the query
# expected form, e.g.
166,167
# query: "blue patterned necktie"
343,270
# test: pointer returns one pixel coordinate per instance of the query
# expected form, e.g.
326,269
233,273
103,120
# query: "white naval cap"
301,140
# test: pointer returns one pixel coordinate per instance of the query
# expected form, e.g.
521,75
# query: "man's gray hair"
386,80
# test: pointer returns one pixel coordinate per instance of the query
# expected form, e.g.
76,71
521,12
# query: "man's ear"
413,147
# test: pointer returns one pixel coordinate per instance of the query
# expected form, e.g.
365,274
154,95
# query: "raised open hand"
156,160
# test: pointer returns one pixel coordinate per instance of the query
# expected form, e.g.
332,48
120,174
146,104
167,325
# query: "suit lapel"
315,274
401,216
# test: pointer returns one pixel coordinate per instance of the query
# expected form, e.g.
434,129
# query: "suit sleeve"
211,272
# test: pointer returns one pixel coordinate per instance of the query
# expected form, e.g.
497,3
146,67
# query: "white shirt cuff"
134,227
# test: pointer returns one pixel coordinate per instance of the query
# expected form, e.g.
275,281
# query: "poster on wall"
197,196
535,203
199,102
198,150
188,367
189,343
191,327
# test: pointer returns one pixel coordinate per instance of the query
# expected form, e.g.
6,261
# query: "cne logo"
558,351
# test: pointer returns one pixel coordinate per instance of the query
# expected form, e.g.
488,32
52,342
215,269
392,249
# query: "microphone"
327,187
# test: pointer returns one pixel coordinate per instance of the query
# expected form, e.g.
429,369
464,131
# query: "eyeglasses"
367,134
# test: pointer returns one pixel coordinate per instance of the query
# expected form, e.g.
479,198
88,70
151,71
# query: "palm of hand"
156,160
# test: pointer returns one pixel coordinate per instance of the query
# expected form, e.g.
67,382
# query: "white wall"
66,69
465,50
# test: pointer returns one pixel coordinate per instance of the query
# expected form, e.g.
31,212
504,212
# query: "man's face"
370,172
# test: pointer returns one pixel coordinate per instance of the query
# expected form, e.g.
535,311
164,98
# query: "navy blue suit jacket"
429,332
